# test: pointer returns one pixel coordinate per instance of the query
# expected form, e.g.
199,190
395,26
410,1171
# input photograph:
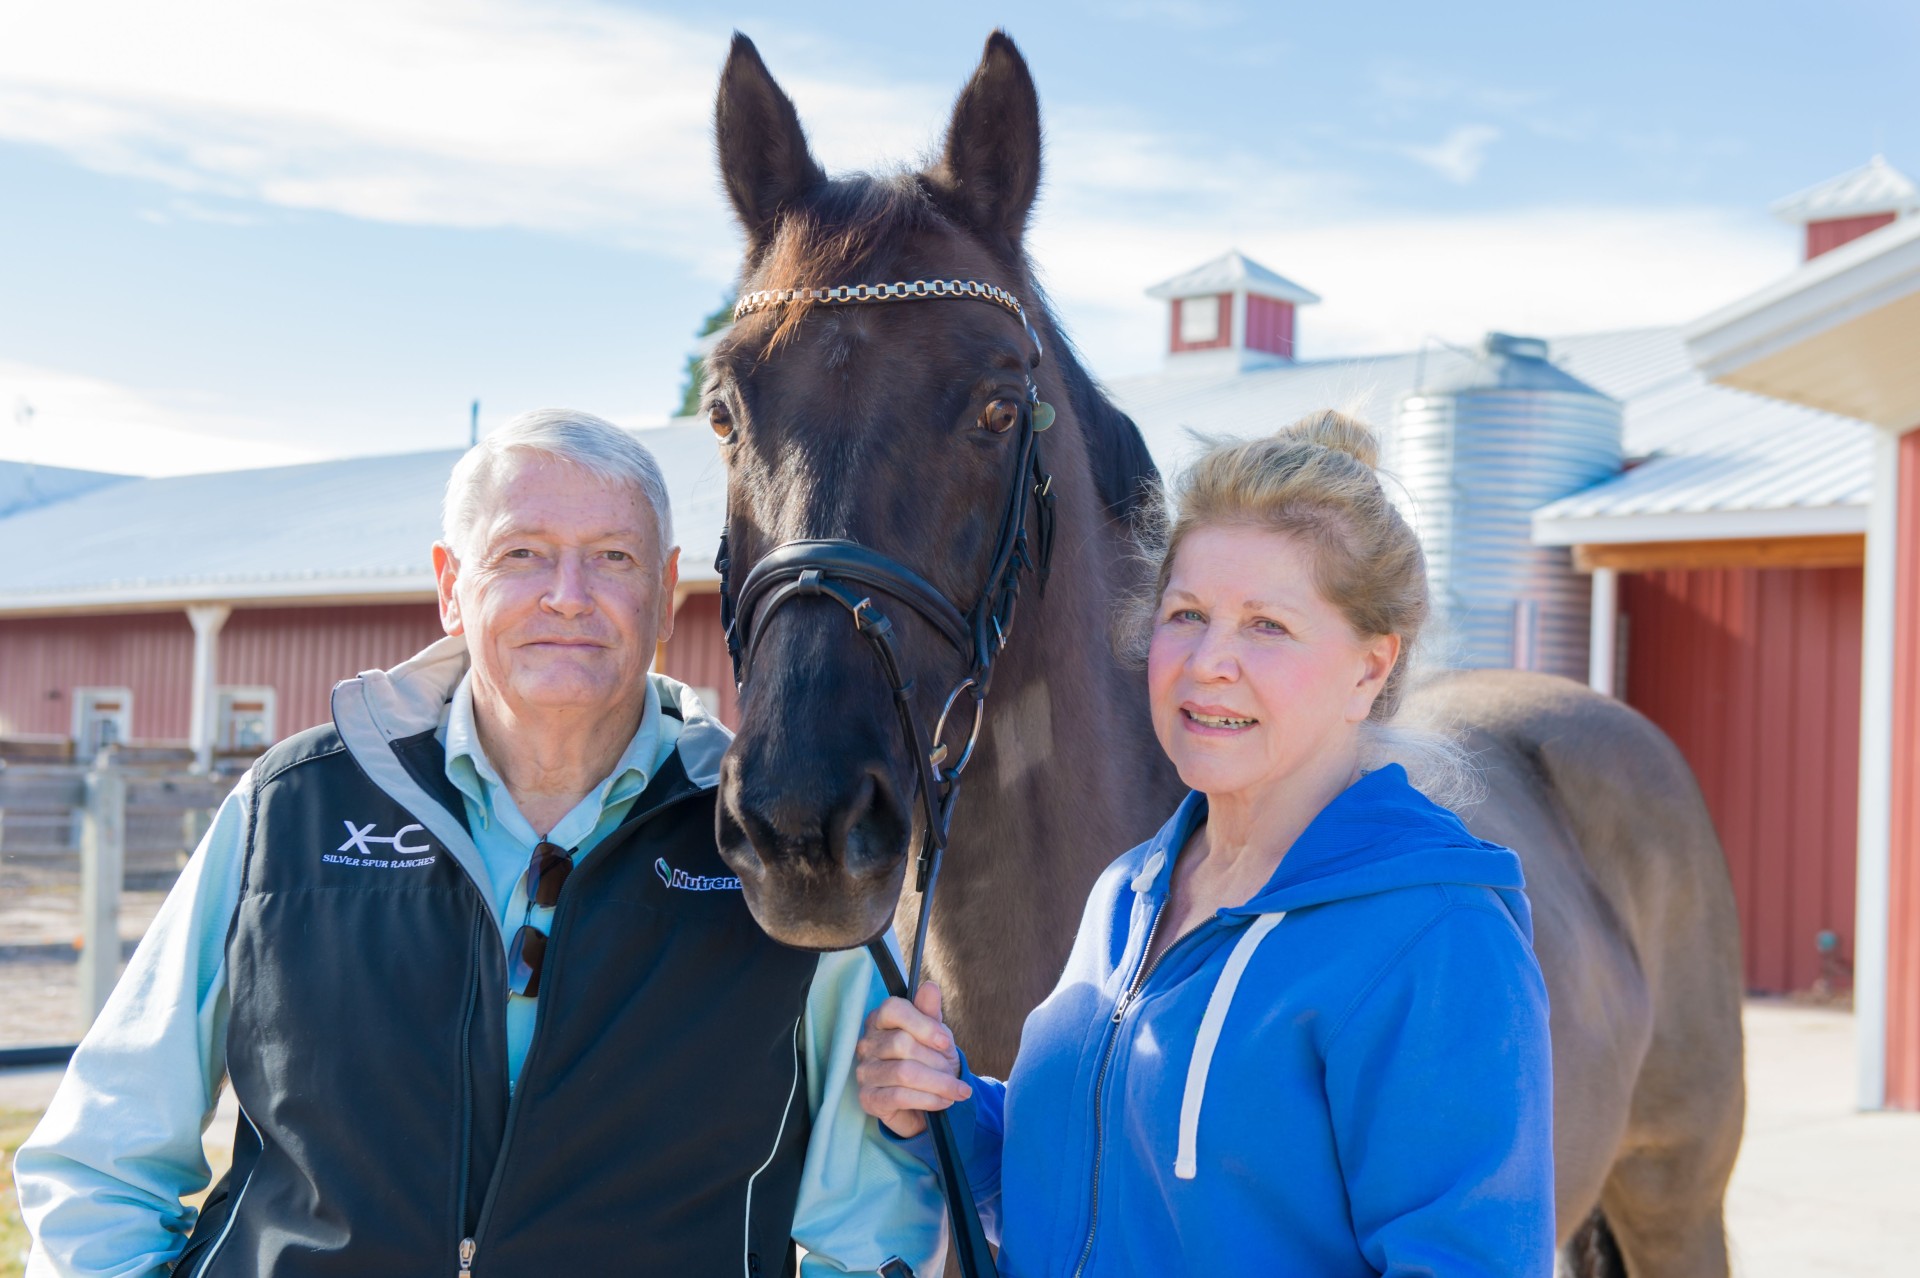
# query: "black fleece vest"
660,1119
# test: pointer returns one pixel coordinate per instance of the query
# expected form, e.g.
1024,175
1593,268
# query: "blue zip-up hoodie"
1349,1074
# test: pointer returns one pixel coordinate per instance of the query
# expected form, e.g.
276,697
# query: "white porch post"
1876,776
1603,637
207,619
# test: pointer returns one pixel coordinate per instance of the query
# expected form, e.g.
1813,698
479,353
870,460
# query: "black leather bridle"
858,578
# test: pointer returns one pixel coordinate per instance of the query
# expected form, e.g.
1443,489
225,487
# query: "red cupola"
1230,313
1843,209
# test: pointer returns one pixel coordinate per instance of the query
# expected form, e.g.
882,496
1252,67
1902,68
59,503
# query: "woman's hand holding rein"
907,1062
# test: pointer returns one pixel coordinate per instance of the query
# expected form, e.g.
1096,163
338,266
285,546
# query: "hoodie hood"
1346,1075
1379,834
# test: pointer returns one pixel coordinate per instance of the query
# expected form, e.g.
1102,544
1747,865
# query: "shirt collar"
474,775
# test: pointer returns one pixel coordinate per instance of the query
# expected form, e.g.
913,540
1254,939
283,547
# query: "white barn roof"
1710,462
1233,271
358,528
1874,187
1713,462
24,485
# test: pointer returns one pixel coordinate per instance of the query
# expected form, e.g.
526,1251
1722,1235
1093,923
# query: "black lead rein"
853,575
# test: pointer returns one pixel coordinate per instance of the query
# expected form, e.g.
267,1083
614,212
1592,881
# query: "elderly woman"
1302,1030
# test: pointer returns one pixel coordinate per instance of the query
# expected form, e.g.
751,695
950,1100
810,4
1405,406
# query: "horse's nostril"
861,831
872,833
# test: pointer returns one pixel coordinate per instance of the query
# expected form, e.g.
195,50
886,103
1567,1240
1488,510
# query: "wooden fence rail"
104,795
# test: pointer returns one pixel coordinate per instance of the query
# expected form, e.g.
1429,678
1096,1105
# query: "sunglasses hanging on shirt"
547,873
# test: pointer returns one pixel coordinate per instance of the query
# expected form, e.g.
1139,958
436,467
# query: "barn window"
101,717
1199,320
244,720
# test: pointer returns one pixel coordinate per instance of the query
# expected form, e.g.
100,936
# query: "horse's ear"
764,160
990,170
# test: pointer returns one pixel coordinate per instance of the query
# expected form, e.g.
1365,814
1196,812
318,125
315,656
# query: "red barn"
1838,334
217,611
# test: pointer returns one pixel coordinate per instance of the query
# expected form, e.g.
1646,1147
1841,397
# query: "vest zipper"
1120,1008
480,927
470,1245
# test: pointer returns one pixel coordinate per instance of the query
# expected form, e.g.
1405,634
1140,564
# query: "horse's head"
894,426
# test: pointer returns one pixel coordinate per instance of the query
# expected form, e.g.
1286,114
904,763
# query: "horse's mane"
846,228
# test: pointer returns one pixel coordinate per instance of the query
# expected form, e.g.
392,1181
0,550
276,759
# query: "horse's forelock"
852,229
843,233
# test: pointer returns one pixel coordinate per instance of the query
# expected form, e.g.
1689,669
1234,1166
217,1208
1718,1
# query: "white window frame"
83,704
1191,334
223,698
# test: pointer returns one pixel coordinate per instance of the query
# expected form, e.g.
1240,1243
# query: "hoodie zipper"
1125,1002
470,1245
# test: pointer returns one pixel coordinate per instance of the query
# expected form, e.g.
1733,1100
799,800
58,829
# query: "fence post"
103,859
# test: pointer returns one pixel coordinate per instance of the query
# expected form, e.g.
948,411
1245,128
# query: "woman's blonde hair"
1317,480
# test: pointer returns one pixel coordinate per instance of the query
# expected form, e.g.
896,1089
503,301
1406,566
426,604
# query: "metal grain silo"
1479,451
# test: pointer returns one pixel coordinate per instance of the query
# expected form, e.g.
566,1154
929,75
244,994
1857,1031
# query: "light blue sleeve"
102,1176
863,1198
1440,1087
979,1134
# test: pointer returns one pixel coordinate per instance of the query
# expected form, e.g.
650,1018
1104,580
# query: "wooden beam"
1837,550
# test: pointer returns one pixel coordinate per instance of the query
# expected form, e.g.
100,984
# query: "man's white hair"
591,443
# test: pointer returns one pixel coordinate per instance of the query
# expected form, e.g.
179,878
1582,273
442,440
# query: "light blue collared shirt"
103,1176
506,839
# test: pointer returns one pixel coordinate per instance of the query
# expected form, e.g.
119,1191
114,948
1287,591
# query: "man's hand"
908,1063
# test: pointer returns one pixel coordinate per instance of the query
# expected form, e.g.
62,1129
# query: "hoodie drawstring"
1186,1164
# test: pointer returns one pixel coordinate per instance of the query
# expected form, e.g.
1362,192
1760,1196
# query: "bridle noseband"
857,577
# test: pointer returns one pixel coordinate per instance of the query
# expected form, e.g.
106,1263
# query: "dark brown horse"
877,425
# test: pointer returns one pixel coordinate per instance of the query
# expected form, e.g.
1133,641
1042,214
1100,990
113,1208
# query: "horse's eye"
1001,416
720,419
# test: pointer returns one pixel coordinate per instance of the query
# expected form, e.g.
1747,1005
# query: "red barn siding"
1903,905
697,653
43,659
1824,237
1270,326
299,652
302,652
1755,674
1225,302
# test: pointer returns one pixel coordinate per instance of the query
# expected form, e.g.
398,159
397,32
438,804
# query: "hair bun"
1339,432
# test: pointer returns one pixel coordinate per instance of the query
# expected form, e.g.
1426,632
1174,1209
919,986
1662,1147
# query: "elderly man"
489,1000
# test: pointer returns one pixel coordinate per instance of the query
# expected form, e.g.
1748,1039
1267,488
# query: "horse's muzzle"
821,856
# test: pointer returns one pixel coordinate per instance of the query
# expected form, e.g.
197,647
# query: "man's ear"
669,587
989,170
446,571
765,163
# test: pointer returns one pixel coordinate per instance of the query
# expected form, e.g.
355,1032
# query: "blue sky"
234,233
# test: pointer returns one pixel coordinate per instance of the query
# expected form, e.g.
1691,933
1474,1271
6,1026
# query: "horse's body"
863,424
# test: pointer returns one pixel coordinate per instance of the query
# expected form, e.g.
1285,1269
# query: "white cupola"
1230,314
1845,208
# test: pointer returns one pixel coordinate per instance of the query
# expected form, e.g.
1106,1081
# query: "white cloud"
1389,283
94,425
577,117
1458,156
585,119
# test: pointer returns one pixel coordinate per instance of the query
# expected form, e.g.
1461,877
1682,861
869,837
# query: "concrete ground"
1820,1188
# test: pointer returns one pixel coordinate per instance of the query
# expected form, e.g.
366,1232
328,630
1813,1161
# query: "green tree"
697,367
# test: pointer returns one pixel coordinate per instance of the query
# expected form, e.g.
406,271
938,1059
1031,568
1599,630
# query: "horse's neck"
1068,777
